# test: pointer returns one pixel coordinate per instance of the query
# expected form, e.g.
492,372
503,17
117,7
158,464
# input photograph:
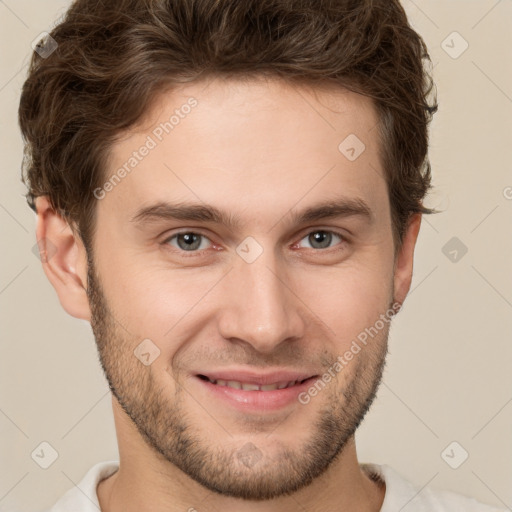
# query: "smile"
247,386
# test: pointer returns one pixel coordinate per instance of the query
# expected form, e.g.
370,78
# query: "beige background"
449,370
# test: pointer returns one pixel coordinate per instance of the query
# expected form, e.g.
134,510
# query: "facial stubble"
163,423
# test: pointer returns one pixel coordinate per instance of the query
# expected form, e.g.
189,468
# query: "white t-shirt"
400,495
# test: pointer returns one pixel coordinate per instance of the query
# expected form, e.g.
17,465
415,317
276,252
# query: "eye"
322,239
187,241
193,242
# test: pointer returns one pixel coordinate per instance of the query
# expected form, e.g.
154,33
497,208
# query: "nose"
261,307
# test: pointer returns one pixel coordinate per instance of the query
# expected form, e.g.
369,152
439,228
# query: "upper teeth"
253,387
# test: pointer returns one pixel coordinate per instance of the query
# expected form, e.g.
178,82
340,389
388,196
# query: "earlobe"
405,259
64,259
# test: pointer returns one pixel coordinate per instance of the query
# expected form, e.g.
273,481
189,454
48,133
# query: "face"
263,295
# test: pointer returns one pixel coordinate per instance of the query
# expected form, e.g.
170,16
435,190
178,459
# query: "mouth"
251,393
250,386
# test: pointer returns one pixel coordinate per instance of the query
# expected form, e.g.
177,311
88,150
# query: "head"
257,113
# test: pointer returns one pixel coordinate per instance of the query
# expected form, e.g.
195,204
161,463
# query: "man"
233,192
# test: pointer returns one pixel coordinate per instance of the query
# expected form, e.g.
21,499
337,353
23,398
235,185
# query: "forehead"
248,146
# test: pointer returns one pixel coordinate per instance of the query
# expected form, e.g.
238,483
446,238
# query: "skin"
261,150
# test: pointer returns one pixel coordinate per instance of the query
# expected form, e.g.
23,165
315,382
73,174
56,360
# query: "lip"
256,401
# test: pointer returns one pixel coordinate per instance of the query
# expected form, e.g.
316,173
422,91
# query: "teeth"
270,387
253,387
250,387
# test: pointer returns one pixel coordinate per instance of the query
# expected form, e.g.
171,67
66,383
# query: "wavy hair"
112,59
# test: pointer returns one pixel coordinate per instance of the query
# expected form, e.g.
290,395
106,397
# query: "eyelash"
196,253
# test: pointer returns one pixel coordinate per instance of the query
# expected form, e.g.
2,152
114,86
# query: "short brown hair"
114,57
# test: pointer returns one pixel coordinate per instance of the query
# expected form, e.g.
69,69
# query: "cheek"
348,299
155,302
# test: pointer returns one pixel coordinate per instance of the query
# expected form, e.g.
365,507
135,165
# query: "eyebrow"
197,212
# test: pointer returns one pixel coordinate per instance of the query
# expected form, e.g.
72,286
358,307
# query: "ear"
64,259
404,259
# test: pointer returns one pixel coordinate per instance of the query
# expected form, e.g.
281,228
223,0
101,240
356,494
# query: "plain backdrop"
448,377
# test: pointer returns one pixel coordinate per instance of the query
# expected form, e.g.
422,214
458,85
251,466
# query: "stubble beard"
259,474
